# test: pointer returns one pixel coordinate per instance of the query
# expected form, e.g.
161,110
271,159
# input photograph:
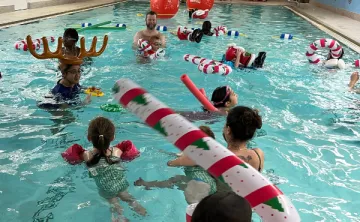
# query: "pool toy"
214,68
357,63
201,97
93,26
161,28
130,152
74,60
265,198
145,50
200,14
86,24
111,108
94,91
73,154
199,4
202,90
22,45
165,9
220,30
286,36
196,59
208,66
335,63
331,44
233,33
139,14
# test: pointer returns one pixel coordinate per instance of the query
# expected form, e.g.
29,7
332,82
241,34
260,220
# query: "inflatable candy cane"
334,46
197,59
266,199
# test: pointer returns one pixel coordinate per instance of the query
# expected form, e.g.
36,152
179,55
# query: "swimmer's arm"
237,61
136,39
163,41
173,33
181,161
86,156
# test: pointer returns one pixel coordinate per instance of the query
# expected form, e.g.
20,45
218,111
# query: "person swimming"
223,98
206,28
238,57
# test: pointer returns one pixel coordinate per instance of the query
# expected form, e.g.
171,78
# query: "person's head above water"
341,54
224,97
222,206
70,73
101,133
150,20
206,27
241,124
70,37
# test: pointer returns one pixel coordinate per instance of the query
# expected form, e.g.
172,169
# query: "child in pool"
104,167
223,98
237,57
184,33
196,183
206,28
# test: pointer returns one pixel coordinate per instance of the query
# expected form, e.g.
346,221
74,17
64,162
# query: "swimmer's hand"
87,100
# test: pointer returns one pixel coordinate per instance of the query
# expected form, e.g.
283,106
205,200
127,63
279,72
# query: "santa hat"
230,53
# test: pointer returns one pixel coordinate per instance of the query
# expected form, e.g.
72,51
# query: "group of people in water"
217,201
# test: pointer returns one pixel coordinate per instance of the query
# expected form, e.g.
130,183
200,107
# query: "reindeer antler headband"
73,60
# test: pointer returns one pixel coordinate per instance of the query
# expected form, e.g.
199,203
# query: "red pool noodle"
202,90
197,93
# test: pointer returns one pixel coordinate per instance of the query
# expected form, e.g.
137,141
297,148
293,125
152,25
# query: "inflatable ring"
94,91
111,108
331,44
264,197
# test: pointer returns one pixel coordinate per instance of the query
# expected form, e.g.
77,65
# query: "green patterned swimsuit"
201,174
110,179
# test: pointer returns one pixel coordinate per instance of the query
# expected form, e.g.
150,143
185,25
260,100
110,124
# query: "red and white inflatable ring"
331,44
265,198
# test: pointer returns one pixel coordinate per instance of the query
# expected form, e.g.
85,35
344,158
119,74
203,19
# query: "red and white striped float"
331,44
22,45
220,30
145,49
200,14
208,66
265,198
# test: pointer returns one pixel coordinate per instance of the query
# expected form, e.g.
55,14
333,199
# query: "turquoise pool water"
310,133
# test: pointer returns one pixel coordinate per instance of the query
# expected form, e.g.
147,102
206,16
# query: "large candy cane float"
208,66
266,199
331,44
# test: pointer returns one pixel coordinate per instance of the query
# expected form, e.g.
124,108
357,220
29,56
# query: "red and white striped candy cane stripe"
215,68
197,59
266,199
331,44
357,63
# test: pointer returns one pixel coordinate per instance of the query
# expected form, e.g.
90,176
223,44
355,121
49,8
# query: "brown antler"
58,54
92,51
47,54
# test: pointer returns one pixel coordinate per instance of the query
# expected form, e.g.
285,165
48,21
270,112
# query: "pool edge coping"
351,43
37,18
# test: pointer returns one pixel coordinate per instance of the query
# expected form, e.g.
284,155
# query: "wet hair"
222,206
208,131
206,28
150,13
219,96
71,33
101,131
243,122
64,67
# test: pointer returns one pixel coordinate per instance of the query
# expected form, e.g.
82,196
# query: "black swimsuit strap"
259,160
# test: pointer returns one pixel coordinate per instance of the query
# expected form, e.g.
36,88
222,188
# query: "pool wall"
349,8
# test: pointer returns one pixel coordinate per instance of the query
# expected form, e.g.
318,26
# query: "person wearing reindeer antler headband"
68,89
